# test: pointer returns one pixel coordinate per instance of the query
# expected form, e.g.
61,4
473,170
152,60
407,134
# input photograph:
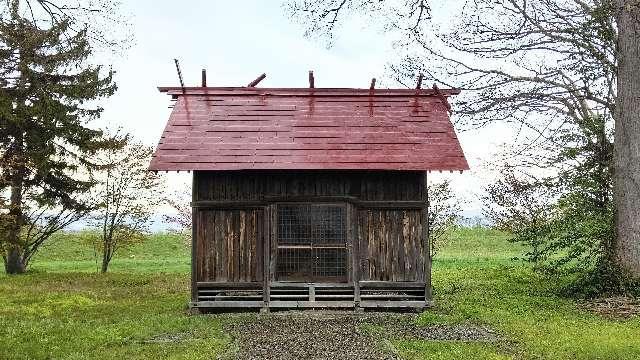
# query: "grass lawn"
63,309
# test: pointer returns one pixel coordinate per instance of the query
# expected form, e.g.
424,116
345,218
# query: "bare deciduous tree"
444,212
545,66
322,17
42,220
179,201
107,27
128,194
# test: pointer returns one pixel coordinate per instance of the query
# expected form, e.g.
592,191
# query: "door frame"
274,246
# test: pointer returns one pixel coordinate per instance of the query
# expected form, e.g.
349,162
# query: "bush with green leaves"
566,219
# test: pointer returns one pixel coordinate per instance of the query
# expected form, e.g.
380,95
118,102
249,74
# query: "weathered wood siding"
390,243
257,185
385,236
229,246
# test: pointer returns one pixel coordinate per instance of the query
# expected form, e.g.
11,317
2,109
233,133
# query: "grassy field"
63,309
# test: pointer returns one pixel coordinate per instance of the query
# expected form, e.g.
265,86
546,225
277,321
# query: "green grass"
63,309
477,280
73,252
454,350
92,316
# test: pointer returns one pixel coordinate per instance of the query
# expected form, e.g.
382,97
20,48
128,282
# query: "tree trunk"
105,266
627,138
105,258
14,263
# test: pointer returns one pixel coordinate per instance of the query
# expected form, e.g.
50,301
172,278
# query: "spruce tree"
48,91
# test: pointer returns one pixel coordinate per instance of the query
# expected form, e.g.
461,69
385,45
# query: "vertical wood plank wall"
229,247
230,216
391,245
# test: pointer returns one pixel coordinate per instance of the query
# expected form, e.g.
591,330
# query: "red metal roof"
303,128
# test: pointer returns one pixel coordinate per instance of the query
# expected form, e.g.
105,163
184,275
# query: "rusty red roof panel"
261,128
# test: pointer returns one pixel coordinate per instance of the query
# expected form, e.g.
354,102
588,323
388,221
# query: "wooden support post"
311,79
257,80
273,242
194,239
352,216
266,250
426,244
312,292
419,84
204,78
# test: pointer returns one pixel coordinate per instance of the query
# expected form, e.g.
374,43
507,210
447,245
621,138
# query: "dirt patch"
619,307
335,335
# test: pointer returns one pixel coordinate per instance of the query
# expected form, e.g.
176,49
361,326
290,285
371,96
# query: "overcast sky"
238,40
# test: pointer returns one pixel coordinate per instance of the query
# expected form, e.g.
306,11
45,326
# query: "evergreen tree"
47,95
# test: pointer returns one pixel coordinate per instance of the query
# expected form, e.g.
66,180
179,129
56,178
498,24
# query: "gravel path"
334,335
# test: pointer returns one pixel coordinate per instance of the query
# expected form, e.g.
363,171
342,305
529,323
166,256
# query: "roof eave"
172,90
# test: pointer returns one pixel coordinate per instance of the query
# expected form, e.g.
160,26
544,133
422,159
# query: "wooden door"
311,243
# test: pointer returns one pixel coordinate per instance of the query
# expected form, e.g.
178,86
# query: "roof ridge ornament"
443,98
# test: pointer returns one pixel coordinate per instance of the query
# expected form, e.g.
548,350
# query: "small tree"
522,208
42,220
128,194
566,218
444,210
564,231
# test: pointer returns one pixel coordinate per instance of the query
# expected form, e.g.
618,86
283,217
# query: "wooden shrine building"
309,197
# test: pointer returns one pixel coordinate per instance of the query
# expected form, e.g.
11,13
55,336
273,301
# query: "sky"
235,41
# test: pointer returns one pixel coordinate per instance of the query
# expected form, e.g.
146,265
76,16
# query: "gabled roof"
308,128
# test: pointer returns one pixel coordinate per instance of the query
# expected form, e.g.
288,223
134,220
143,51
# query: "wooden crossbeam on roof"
257,80
441,96
419,82
179,73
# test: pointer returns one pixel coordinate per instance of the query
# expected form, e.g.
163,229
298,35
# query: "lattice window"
295,264
331,263
311,224
311,243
